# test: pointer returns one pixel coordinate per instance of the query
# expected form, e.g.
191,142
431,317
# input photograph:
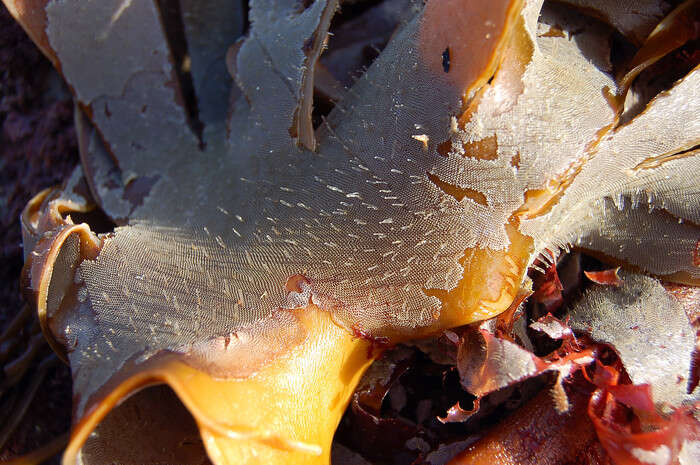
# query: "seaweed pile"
287,208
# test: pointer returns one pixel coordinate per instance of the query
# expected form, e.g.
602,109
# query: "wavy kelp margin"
412,208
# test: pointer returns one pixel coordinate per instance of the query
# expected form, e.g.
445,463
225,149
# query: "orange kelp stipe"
491,280
285,413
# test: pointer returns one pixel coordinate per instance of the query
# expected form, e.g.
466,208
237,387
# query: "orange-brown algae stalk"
490,283
285,413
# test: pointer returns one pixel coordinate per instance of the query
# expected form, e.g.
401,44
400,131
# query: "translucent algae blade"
641,313
644,208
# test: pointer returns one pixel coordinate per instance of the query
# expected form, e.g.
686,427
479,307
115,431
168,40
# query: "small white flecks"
222,210
236,232
82,294
335,189
395,171
286,189
220,241
206,231
354,236
387,221
373,267
353,195
304,206
422,138
659,456
239,218
453,125
360,222
115,17
286,204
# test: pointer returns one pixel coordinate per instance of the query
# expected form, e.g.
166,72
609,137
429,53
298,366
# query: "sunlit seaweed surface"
252,247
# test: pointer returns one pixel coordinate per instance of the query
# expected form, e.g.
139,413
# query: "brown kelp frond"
635,19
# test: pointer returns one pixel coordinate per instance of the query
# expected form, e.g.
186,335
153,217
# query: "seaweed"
265,252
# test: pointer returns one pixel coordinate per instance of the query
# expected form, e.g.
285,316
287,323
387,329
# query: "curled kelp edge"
47,227
673,31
